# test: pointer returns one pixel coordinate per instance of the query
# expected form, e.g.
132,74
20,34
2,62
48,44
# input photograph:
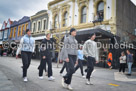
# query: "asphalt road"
103,79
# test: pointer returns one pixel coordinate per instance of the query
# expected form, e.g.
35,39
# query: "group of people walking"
72,54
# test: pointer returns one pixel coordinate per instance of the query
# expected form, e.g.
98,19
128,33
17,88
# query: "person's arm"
34,47
124,58
85,52
43,49
97,53
65,49
20,47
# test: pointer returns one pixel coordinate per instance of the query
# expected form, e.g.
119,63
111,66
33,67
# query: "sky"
16,9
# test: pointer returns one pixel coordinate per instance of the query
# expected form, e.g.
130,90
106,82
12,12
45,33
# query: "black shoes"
128,74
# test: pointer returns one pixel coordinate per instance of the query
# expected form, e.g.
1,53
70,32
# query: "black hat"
91,34
27,30
71,30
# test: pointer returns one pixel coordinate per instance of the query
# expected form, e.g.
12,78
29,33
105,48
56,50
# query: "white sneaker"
51,78
69,87
88,82
40,77
84,76
64,84
25,79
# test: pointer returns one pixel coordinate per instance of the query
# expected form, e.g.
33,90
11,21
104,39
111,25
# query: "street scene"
74,45
103,79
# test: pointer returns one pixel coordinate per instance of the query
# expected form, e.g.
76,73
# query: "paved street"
103,79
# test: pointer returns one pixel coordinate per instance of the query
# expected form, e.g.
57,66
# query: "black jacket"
47,46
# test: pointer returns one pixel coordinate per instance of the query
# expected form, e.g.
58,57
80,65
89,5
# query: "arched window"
65,19
83,14
55,21
100,10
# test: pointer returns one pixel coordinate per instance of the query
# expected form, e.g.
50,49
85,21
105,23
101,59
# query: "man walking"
91,52
26,47
70,56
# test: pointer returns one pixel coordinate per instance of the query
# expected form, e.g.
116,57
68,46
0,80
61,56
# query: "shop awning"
97,31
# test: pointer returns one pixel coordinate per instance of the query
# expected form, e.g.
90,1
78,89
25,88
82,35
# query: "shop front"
106,42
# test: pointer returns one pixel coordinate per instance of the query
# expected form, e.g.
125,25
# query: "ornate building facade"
80,14
101,16
39,24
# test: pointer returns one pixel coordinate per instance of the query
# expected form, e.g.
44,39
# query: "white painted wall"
108,10
76,15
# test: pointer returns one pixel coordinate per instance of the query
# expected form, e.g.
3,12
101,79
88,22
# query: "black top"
46,47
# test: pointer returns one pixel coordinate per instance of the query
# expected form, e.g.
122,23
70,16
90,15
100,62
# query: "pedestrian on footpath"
62,59
26,47
70,56
129,62
80,61
90,50
109,61
46,55
122,62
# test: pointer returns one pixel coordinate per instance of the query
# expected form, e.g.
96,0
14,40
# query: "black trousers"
64,66
80,65
122,67
90,66
26,60
71,69
43,65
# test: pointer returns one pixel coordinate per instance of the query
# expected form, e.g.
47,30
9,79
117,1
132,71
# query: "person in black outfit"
46,55
70,56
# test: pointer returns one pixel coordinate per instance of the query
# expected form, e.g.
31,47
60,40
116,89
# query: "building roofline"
54,2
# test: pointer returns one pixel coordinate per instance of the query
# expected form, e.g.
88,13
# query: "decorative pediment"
65,8
83,2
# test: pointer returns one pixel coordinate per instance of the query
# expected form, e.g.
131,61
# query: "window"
19,30
34,27
65,19
55,21
39,26
1,35
14,34
44,24
22,30
11,31
5,34
100,10
26,27
135,31
83,14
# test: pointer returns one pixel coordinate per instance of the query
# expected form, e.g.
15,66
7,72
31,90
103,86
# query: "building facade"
4,32
101,16
18,28
39,24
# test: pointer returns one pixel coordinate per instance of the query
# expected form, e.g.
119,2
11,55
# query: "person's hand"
44,57
67,59
76,62
16,56
97,62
